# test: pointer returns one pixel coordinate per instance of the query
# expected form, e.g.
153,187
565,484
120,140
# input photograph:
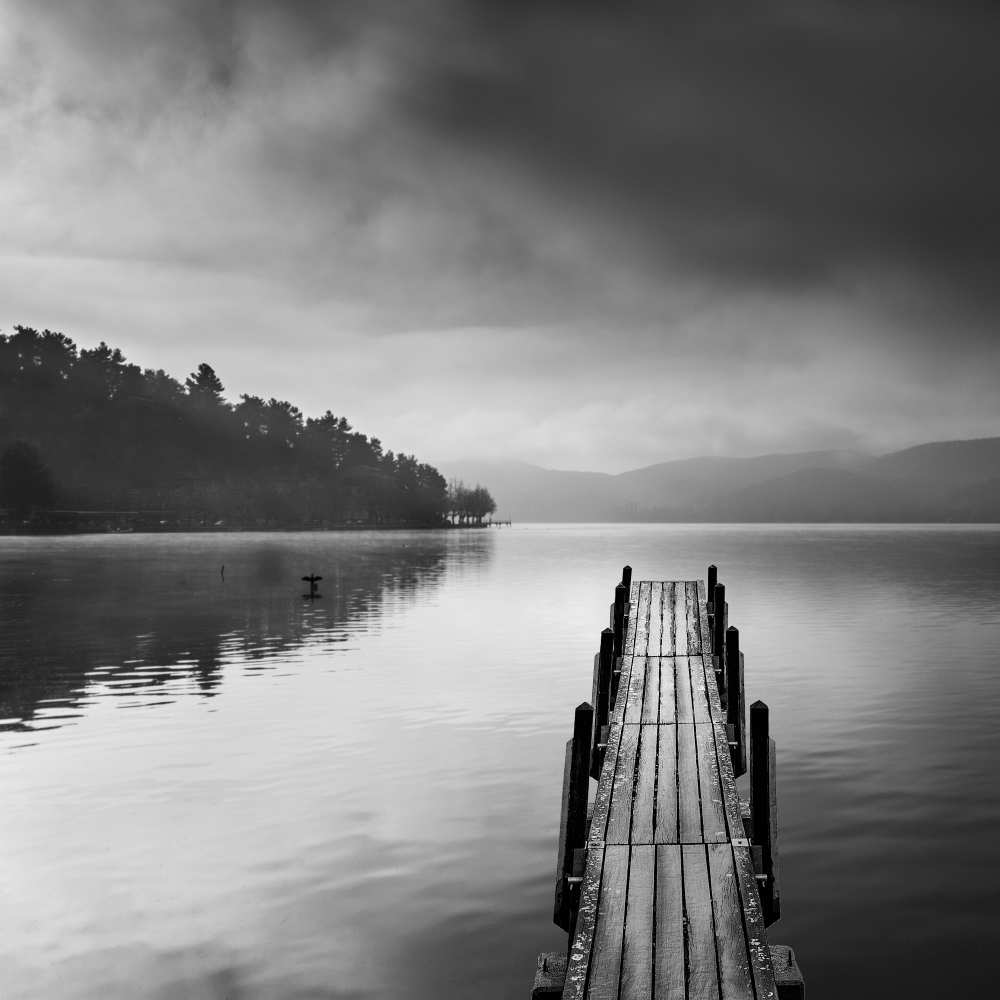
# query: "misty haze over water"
216,789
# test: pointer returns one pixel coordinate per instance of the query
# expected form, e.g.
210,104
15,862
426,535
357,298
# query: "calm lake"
212,788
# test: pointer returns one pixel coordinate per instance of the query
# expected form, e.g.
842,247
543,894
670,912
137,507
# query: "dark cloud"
540,209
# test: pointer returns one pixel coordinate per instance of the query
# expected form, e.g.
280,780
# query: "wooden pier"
667,881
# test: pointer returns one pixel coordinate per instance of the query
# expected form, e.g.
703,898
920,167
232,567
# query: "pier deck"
668,903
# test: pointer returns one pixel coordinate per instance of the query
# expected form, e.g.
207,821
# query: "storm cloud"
580,233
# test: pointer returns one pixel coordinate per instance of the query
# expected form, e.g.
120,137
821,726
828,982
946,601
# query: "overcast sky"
585,234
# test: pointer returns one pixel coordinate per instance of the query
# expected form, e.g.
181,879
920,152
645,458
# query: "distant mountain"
943,481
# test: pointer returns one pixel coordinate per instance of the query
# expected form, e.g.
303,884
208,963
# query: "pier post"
627,581
573,828
735,712
719,623
713,579
602,710
763,809
621,602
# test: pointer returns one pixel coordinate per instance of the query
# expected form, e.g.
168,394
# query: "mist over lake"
215,788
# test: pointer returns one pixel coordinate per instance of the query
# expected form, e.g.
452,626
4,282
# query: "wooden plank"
656,619
666,786
620,815
637,687
702,965
703,666
642,619
679,646
651,697
602,800
685,704
688,791
670,965
668,691
753,924
637,957
713,815
730,794
645,787
606,958
699,690
706,636
692,616
667,640
586,920
735,979
629,647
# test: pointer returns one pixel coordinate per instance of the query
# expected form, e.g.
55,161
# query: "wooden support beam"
602,710
573,822
718,630
627,578
713,579
550,976
787,974
735,712
621,602
763,808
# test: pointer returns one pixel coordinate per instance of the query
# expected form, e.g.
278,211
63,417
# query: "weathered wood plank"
670,964
656,619
651,697
606,958
642,619
689,830
668,691
702,966
666,785
699,690
753,923
633,608
703,626
636,688
685,701
602,799
702,666
713,815
679,645
586,920
735,980
620,815
692,617
667,635
637,957
645,786
730,794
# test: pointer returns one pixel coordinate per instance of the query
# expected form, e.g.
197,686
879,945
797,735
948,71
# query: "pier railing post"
602,710
573,828
621,602
763,809
735,712
719,623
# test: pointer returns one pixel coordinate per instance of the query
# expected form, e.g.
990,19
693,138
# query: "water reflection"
148,619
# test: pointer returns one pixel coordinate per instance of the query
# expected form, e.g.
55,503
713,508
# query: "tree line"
84,432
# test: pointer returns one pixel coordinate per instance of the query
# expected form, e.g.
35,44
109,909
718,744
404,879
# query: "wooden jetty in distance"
667,881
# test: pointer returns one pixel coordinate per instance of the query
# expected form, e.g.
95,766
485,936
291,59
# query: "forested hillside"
86,431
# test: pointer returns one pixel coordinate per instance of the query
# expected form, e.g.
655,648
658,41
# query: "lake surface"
212,788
